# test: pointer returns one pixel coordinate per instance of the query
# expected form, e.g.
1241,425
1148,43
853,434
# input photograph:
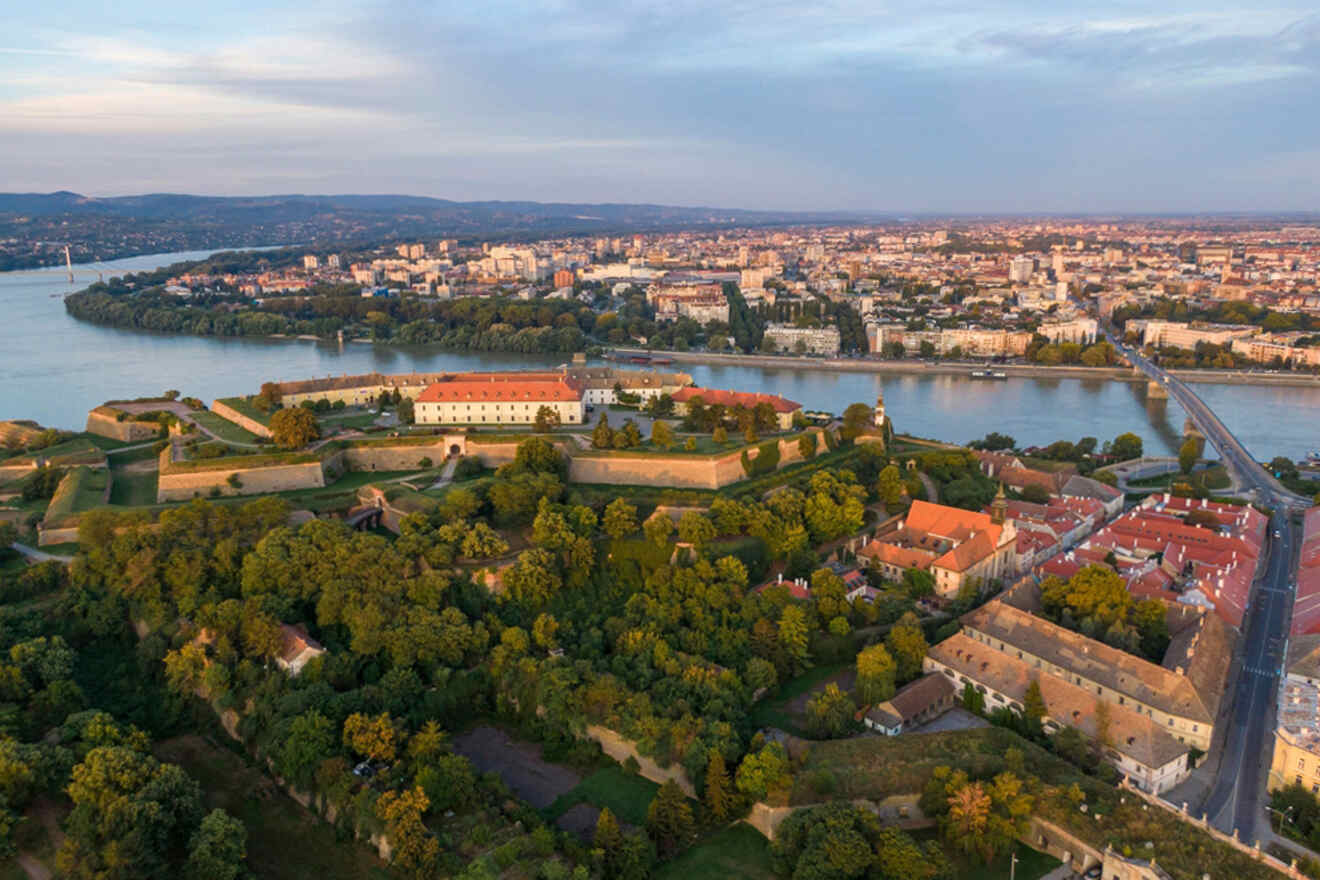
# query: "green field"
224,429
626,794
736,852
285,841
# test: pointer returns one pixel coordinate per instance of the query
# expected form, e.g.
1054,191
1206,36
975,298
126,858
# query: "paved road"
1236,799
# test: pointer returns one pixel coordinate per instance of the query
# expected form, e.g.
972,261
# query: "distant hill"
106,228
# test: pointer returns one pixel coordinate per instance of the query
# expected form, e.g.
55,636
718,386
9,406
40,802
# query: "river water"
53,369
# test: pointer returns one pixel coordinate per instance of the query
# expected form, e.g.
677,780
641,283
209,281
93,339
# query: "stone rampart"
107,424
620,749
401,458
14,472
493,454
183,485
228,412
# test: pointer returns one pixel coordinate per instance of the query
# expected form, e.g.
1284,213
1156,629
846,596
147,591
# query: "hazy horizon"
991,109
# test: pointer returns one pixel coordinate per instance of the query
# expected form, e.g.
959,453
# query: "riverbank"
944,368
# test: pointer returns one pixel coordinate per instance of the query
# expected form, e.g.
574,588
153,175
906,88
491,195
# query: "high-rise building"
1021,269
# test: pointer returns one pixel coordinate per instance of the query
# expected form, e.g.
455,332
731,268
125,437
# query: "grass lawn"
144,453
285,841
245,407
359,419
626,794
737,851
67,549
223,428
133,489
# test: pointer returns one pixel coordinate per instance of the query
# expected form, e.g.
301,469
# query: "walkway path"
447,475
932,489
39,555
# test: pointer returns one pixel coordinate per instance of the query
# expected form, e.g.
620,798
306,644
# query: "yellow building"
1297,734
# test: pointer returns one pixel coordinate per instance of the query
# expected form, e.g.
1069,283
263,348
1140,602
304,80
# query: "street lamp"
1012,867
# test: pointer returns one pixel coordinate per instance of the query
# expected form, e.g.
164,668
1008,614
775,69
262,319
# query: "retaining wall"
128,431
400,458
10,473
183,485
227,412
621,750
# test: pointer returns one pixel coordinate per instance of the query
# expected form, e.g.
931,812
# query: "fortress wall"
255,481
233,415
127,431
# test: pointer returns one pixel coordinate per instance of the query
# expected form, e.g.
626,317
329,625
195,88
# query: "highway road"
1236,800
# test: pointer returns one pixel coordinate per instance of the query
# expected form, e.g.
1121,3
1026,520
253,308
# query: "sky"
937,106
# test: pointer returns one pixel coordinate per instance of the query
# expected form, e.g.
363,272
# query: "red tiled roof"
748,399
1306,609
501,387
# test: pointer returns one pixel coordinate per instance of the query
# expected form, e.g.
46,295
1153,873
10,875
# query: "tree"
793,633
603,435
968,819
620,518
132,816
876,672
374,738
534,579
269,397
662,435
889,486
547,419
1126,446
607,836
972,699
449,782
690,444
720,435
483,542
294,428
669,819
309,741
406,411
856,419
1033,705
1188,453
719,799
217,849
907,645
830,713
414,850
695,529
765,775
631,433
658,528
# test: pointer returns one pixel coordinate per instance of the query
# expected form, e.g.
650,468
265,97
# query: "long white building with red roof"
499,399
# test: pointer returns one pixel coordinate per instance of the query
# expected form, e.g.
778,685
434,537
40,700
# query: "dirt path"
33,868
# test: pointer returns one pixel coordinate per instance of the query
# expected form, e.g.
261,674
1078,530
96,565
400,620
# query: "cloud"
844,104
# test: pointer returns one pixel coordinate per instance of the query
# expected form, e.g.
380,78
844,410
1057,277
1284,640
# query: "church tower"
880,409
999,507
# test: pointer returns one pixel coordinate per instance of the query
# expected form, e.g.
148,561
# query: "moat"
56,368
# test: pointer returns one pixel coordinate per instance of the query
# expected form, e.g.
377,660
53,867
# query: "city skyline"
904,109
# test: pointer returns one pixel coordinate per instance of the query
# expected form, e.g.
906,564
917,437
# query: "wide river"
53,369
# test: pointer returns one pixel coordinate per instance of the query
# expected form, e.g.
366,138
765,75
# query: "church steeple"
999,507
